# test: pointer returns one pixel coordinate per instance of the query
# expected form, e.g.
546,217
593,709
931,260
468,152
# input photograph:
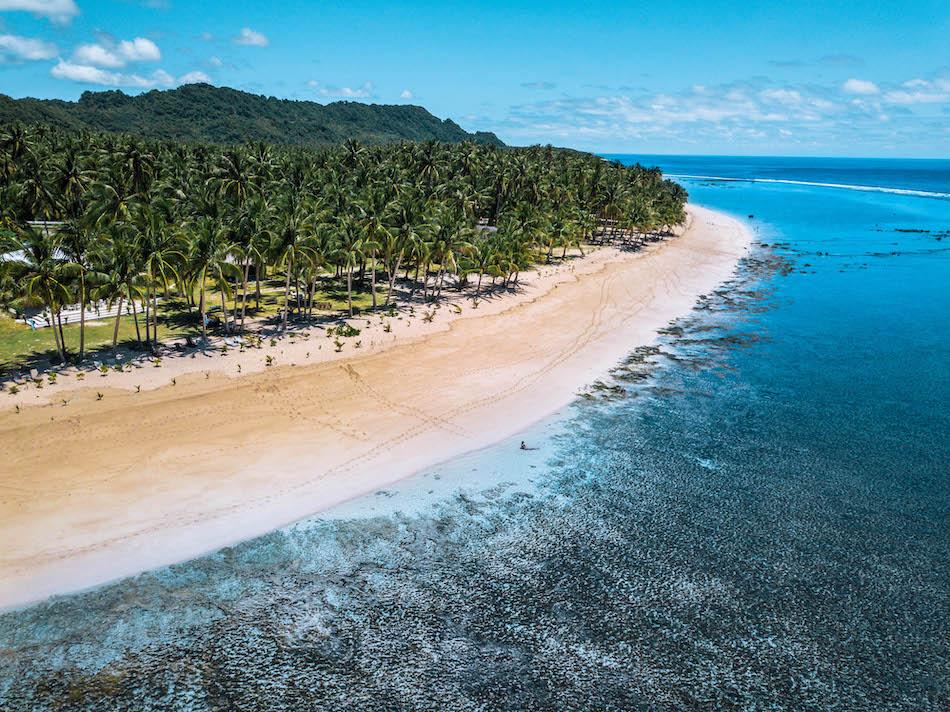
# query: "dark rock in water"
751,216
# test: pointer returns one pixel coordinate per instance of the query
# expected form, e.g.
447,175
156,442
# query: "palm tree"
483,260
290,246
348,251
159,253
253,240
132,208
119,278
45,276
76,243
209,256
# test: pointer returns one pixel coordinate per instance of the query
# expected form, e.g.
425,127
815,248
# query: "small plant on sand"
118,367
52,378
80,375
268,360
338,344
138,389
99,396
224,349
157,362
174,381
456,308
273,342
103,369
357,344
428,317
387,327
38,382
14,390
347,331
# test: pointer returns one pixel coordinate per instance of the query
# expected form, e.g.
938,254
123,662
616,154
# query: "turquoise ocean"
753,514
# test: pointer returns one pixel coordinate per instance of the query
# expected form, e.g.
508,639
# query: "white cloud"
84,73
920,91
195,77
88,74
118,55
789,97
860,86
207,36
25,48
60,12
215,62
406,94
756,114
251,38
97,55
363,92
916,97
140,50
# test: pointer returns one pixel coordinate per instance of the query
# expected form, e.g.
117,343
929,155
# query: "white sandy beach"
93,490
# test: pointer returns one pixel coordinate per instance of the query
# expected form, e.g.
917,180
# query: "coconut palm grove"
195,240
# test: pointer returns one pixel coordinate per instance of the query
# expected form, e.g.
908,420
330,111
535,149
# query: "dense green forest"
139,221
203,113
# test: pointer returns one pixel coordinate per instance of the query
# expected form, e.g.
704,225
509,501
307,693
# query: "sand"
93,490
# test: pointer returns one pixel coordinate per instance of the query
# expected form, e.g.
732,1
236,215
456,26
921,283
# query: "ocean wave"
814,184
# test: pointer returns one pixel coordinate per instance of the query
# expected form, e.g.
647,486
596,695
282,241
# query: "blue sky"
854,78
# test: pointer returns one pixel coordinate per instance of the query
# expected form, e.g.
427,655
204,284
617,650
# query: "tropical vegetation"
203,113
144,224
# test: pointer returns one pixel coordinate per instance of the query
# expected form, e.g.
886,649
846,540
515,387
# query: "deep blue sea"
753,514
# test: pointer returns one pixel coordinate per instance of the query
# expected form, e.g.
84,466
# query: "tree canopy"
136,218
203,113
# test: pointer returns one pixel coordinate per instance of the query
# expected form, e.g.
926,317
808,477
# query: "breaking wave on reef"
813,184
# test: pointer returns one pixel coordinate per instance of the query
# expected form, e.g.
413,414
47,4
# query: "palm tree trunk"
62,337
82,315
257,280
286,298
349,287
118,318
392,280
247,267
297,287
478,287
60,349
155,317
146,313
201,311
224,313
135,316
373,279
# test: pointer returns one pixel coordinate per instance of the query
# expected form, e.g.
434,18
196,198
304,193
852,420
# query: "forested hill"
200,112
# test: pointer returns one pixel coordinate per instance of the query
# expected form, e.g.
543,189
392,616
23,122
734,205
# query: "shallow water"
751,515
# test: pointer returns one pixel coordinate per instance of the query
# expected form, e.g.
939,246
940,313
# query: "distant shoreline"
107,488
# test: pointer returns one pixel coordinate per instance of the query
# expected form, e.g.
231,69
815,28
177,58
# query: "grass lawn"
21,347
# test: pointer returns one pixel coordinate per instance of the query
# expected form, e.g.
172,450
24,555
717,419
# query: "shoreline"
177,472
